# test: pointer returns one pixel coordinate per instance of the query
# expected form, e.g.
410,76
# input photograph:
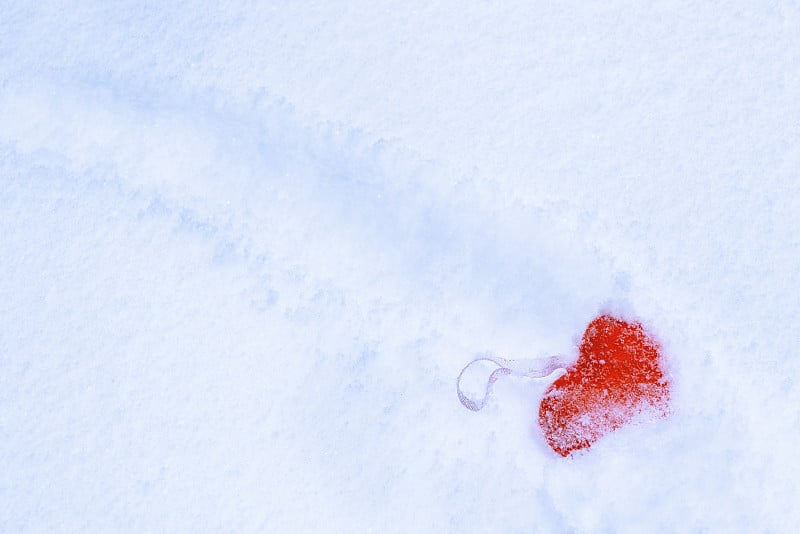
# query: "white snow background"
246,248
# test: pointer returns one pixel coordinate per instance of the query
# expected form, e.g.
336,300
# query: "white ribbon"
533,368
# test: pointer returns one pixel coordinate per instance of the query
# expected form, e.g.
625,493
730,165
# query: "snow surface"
246,248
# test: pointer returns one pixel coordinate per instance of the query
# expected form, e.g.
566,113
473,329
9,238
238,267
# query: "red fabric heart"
617,376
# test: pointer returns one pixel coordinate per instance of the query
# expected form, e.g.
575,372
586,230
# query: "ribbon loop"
534,368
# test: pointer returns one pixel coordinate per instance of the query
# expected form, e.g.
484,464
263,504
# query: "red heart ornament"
617,377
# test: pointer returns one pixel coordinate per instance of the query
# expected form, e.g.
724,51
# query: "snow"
247,249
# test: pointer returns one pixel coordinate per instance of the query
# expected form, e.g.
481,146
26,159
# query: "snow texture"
246,248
